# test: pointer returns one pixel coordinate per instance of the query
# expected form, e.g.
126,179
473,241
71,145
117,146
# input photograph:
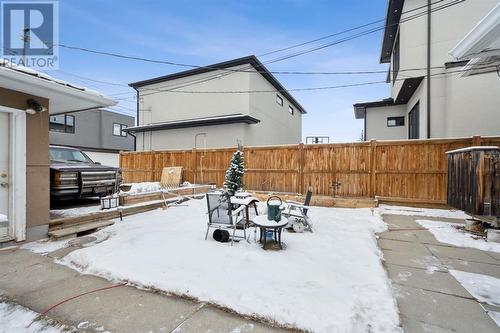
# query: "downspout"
364,130
136,117
428,69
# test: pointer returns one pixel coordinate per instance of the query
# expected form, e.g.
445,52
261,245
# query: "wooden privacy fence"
409,169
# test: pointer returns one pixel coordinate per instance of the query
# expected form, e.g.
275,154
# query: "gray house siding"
93,130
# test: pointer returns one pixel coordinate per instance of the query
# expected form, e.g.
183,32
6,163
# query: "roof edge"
252,60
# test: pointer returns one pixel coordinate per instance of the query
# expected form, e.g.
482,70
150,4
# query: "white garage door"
4,174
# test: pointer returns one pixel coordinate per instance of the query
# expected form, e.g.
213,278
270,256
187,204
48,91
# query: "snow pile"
142,188
77,211
331,280
484,288
14,318
45,246
416,211
448,233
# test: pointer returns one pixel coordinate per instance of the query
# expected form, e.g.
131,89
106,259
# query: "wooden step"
75,229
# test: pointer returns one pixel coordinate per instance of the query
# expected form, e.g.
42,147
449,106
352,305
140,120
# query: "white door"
4,173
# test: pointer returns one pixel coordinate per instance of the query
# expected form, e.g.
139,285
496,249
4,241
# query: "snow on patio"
484,288
331,280
417,211
450,233
15,318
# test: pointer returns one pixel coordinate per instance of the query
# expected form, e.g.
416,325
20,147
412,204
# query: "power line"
442,74
228,72
156,61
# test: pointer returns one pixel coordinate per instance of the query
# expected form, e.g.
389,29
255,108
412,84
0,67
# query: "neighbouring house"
98,133
481,46
220,105
27,98
429,98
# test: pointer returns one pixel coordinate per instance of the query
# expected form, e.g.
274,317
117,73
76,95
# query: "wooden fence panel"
411,169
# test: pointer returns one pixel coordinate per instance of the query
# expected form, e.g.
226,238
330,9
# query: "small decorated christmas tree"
234,175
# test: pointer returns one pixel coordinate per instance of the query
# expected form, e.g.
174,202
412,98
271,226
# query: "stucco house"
429,96
98,133
220,105
27,98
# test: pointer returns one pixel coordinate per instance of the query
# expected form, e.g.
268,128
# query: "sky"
207,32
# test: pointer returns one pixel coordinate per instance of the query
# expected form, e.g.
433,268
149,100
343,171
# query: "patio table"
247,202
264,224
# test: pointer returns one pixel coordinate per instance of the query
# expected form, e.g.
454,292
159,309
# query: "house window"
395,121
413,122
118,129
62,123
279,100
290,110
395,60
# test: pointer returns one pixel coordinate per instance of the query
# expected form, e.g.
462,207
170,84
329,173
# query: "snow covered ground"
331,280
76,211
448,233
15,318
484,288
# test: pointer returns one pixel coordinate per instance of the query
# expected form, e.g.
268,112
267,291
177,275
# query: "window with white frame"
290,110
279,100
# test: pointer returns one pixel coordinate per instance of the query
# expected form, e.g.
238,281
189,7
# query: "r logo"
29,32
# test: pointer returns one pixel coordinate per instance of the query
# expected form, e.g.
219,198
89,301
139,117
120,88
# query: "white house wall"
475,108
277,125
217,136
376,123
157,107
459,107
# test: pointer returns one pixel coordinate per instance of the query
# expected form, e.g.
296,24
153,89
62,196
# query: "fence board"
411,169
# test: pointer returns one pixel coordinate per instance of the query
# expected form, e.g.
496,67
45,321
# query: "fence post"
153,167
373,177
476,140
194,165
301,168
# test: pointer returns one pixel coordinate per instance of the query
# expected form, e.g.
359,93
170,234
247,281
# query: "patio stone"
403,246
428,296
472,267
123,309
444,311
406,236
21,279
400,221
495,255
428,280
461,253
211,319
21,259
61,253
415,326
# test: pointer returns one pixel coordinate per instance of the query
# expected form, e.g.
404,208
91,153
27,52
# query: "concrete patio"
429,297
36,282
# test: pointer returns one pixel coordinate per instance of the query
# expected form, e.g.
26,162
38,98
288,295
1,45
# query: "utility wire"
278,59
156,61
193,82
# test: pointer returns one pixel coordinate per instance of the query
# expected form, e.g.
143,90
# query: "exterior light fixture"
34,107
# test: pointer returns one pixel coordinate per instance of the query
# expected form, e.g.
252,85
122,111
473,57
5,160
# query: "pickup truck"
74,175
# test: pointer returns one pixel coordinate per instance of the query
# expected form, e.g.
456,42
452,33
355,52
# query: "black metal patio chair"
221,215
